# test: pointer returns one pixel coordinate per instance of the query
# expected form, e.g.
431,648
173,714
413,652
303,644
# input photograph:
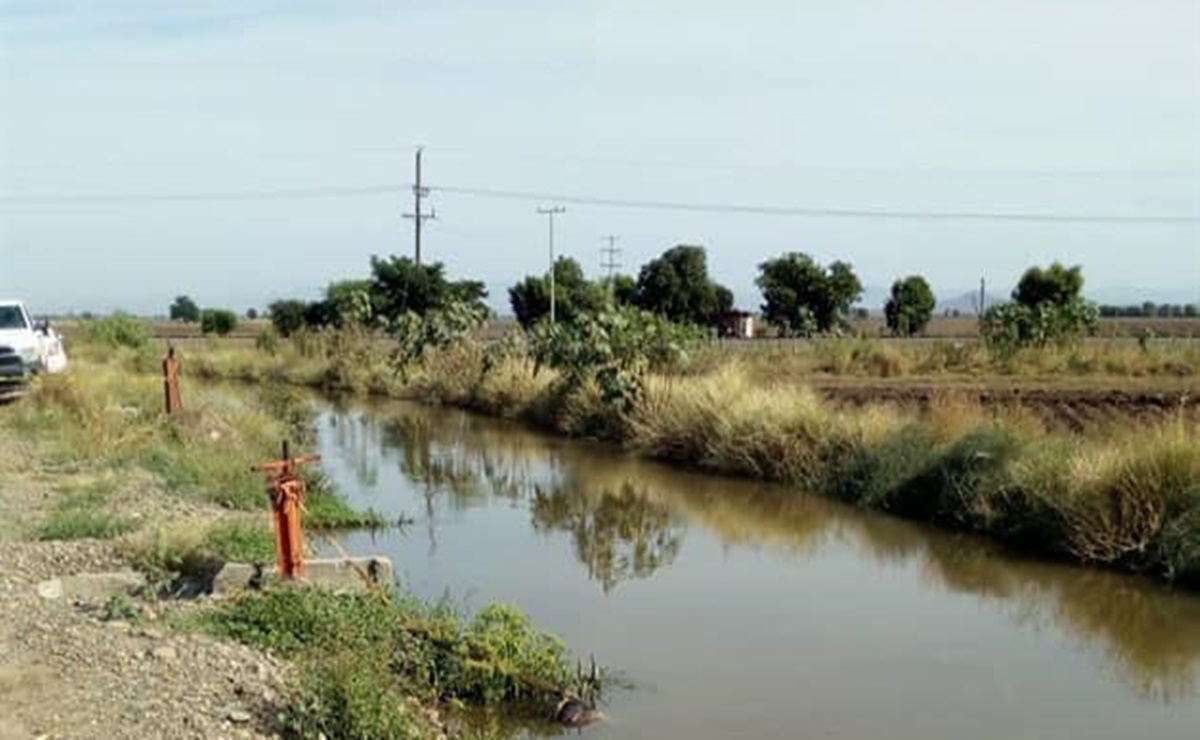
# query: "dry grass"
1123,496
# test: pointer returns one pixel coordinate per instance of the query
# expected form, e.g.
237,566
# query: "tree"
910,306
252,314
676,285
217,321
801,297
399,285
183,308
1056,285
1047,307
574,295
287,316
623,289
349,302
1190,310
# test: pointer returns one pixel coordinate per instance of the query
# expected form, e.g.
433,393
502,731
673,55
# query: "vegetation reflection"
627,519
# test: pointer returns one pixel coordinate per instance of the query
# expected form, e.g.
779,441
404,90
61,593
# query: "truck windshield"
12,317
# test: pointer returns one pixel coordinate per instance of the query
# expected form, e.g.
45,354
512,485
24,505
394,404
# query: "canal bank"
737,608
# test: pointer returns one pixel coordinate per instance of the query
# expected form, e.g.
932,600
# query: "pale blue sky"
1047,106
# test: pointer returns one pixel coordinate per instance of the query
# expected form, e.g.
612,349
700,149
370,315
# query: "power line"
816,212
762,210
251,195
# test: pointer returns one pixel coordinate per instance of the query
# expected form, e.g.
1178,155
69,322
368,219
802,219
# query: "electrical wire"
760,210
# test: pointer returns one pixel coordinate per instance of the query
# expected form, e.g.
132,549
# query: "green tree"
676,285
287,316
1190,310
1055,285
349,302
910,306
399,286
252,314
574,295
623,289
217,321
802,297
183,308
1047,307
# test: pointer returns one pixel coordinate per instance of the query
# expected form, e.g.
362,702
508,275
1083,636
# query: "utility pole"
418,218
551,212
608,261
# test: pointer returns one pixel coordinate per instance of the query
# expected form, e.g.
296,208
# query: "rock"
237,715
51,589
100,587
165,652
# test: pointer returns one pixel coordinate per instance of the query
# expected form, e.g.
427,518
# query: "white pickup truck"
26,348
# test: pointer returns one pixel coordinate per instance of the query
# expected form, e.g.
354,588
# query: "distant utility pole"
609,261
551,212
418,218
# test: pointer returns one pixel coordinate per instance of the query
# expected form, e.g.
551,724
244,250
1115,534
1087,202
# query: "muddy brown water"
745,610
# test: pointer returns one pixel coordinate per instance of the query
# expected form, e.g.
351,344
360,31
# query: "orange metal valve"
287,504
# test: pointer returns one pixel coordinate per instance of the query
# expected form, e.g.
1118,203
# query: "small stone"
51,589
237,715
165,652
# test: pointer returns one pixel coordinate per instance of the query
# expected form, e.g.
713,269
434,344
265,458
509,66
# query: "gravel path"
67,672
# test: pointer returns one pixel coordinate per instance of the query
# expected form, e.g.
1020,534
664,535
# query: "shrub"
910,306
118,329
287,316
217,321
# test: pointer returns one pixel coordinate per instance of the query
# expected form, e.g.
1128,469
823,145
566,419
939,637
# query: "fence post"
170,365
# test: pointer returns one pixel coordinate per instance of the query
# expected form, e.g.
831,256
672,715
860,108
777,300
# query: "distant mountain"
966,303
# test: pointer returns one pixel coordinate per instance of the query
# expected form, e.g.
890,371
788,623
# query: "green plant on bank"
80,524
80,514
167,553
118,329
415,333
613,349
1009,327
359,653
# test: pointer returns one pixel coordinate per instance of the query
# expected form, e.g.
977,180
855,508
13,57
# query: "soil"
1075,409
74,665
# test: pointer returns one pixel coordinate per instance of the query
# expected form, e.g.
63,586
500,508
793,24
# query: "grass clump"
168,553
80,515
359,654
82,524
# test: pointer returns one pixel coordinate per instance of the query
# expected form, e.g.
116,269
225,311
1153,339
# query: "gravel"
65,672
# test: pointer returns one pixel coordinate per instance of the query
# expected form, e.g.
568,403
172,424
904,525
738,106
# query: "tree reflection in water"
618,535
626,519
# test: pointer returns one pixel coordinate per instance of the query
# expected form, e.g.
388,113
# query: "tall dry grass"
1124,497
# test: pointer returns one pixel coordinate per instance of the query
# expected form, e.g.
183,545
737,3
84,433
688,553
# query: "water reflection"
628,519
618,534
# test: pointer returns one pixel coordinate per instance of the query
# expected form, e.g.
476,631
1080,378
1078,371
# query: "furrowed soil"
1071,408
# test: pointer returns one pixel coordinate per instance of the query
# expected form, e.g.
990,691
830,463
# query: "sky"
242,151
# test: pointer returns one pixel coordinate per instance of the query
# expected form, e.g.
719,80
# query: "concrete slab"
336,573
93,588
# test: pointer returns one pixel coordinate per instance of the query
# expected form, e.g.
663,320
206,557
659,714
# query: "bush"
119,329
287,316
613,350
218,321
910,306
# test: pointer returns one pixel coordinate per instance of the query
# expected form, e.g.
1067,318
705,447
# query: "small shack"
737,325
